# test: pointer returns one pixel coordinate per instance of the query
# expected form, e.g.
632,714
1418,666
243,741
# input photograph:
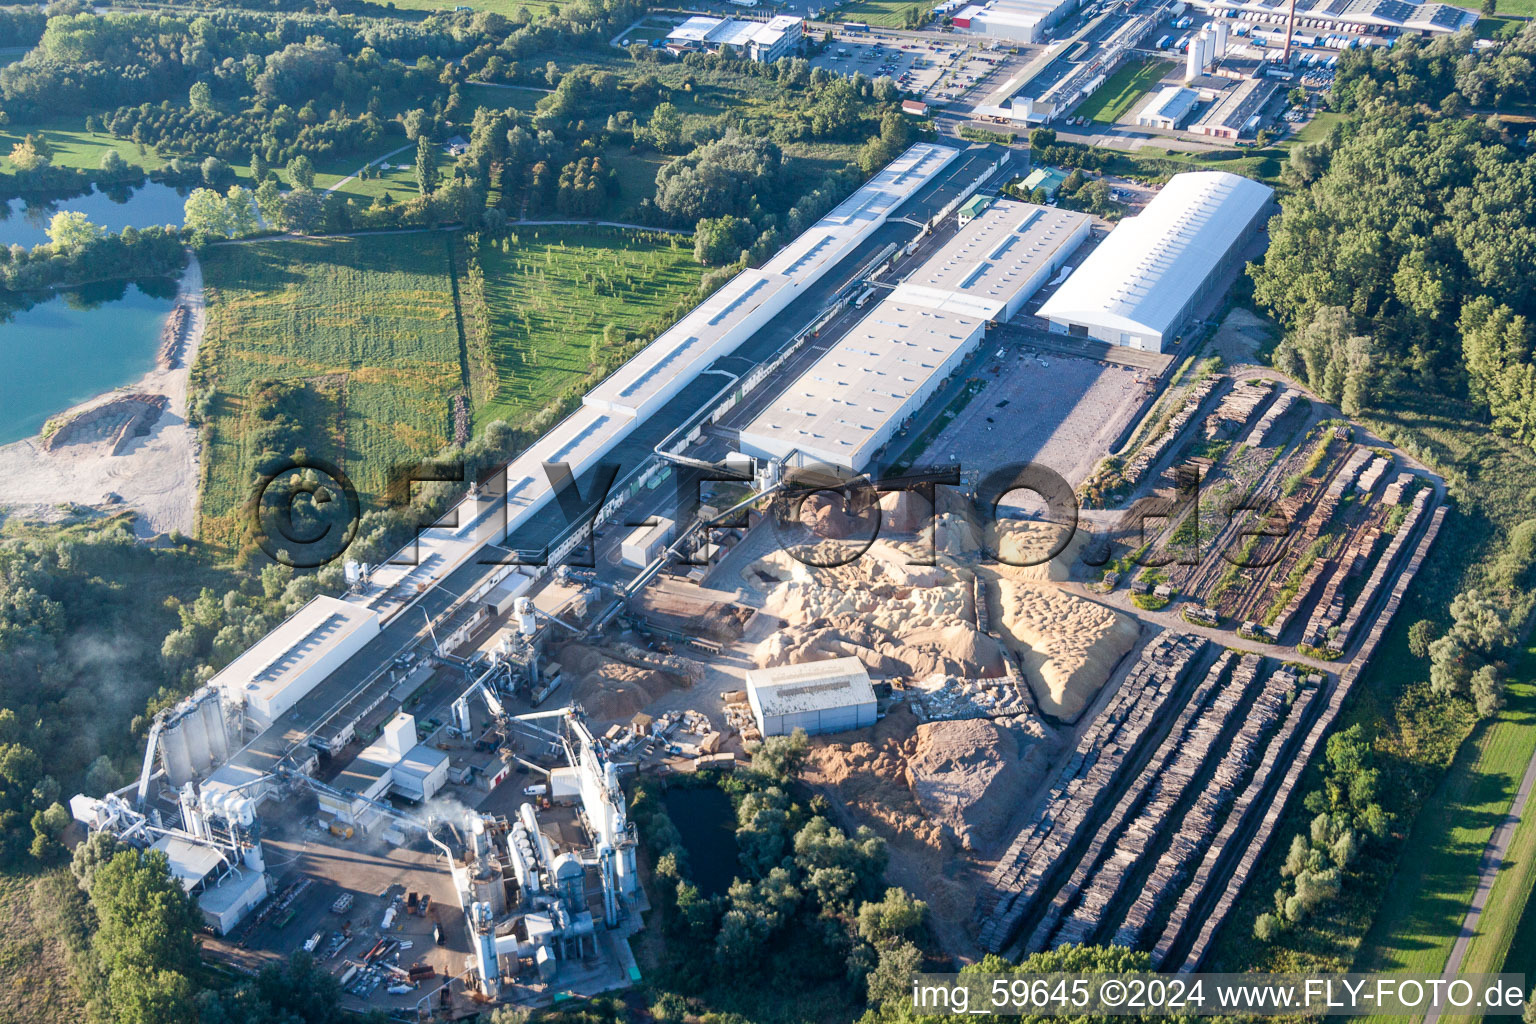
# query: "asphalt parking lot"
915,67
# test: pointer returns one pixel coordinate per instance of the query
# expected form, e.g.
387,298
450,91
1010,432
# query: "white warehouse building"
817,696
1021,21
1168,108
1140,286
850,402
289,662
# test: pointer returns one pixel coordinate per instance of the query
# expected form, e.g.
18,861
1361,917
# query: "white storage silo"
174,753
218,730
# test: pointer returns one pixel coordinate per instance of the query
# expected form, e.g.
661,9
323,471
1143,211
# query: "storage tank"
570,880
218,731
488,888
174,754
197,739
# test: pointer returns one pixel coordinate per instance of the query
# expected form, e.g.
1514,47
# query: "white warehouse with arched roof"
1141,285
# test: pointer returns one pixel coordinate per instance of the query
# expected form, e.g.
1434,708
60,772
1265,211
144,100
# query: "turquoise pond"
72,346
25,221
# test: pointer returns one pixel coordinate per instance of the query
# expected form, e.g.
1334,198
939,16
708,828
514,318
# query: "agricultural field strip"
373,315
1511,898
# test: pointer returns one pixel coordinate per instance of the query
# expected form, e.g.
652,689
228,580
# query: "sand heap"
1067,644
904,512
901,620
607,688
1023,546
868,769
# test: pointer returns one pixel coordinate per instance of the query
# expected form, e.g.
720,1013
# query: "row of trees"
1347,815
79,251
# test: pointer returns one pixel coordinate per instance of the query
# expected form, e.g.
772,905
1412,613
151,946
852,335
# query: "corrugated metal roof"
1146,271
811,686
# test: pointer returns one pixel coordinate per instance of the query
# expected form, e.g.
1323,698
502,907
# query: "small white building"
644,543
393,763
1168,109
817,696
420,773
225,893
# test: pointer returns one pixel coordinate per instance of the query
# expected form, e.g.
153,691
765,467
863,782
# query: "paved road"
1487,872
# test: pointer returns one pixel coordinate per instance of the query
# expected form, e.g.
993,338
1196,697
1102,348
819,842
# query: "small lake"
706,821
75,345
25,221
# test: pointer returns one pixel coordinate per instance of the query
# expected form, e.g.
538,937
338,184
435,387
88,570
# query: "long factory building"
1352,16
850,402
1140,287
1022,21
296,687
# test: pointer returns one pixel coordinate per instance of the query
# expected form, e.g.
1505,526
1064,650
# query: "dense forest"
1400,269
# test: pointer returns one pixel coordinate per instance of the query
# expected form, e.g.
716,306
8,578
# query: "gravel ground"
1061,412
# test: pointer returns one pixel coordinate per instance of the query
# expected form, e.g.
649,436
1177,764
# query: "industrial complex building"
1140,286
1237,111
817,696
1352,16
764,42
848,404
1022,21
340,668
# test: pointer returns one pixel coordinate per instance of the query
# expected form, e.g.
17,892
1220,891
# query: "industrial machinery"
540,912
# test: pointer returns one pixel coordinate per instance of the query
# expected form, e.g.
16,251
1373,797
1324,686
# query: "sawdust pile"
900,620
607,688
1022,548
973,775
942,785
694,617
1067,644
954,648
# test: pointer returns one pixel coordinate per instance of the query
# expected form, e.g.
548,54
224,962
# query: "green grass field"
32,959
495,97
886,13
73,146
552,292
1432,889
1517,8
366,324
1115,98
